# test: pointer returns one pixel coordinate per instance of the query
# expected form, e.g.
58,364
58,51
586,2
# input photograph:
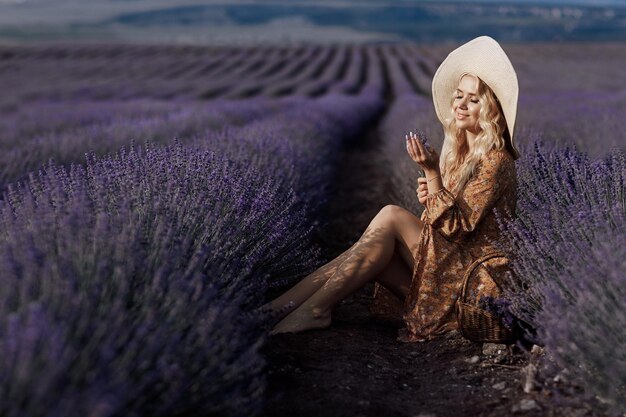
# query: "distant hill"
425,21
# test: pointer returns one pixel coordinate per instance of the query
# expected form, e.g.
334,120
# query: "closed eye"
473,101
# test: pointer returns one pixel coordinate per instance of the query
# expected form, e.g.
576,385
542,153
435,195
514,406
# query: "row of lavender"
568,239
210,222
63,131
567,242
569,246
124,72
130,281
47,125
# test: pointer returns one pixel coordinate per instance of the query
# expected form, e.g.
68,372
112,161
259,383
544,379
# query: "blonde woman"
419,262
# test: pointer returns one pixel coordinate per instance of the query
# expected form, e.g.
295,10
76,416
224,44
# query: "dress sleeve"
454,218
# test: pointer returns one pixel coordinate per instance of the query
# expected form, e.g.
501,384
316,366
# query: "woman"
475,94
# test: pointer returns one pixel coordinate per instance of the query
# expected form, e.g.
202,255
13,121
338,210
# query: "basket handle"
473,266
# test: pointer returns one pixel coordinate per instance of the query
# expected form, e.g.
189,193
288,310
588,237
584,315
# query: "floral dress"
457,230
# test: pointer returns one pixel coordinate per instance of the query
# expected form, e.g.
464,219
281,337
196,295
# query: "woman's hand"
425,156
422,190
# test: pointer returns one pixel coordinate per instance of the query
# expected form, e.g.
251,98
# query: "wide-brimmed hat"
485,58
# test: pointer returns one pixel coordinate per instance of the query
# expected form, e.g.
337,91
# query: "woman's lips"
460,116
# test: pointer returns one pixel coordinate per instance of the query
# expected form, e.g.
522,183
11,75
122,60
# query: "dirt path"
357,368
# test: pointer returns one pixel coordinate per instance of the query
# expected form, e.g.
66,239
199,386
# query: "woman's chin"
460,124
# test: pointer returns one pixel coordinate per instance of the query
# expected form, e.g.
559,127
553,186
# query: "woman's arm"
425,187
456,218
433,181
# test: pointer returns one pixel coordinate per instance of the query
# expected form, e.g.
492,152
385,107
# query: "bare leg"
307,286
393,229
396,276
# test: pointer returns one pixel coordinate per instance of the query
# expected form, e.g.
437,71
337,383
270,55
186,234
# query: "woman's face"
466,105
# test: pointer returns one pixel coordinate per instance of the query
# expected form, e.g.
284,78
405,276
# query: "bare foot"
302,319
279,313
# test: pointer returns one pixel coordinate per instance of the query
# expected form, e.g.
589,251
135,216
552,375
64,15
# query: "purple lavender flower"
421,135
499,307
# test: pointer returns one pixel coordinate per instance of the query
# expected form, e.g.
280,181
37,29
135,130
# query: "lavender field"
153,197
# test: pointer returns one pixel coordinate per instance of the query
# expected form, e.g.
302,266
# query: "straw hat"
484,57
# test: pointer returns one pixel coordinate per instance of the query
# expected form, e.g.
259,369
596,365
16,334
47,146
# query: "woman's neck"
470,137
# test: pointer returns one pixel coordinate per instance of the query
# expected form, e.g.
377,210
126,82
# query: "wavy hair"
457,164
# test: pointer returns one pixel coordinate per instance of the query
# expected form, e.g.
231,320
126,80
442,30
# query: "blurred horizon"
327,21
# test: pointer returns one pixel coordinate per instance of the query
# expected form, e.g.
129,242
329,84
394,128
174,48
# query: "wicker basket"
475,323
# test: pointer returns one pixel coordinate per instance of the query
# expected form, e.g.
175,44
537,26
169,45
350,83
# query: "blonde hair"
457,164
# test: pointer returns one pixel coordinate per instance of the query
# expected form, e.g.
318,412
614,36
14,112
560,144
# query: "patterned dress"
457,230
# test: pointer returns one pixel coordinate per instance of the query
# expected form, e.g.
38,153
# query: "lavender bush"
105,72
131,281
419,66
352,72
65,131
329,71
300,146
308,71
276,68
400,80
568,246
108,72
557,116
372,74
120,293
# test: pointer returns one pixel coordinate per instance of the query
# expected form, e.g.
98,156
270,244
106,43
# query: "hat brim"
484,57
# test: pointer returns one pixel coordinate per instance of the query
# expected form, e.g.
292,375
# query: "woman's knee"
405,227
393,214
389,212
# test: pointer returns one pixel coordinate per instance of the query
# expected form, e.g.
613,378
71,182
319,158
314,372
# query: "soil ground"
357,368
